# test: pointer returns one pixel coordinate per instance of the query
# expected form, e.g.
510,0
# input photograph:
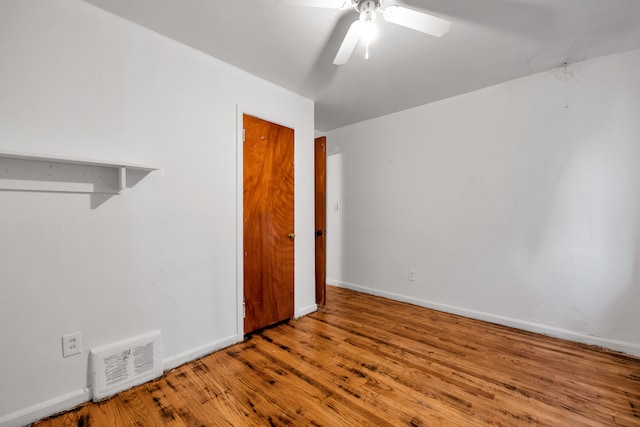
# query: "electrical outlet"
71,344
411,276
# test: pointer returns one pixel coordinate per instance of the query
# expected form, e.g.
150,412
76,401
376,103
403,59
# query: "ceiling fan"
364,28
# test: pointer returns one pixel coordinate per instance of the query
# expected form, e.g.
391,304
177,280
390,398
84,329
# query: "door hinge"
244,310
244,135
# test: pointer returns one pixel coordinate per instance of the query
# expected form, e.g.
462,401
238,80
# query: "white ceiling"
490,41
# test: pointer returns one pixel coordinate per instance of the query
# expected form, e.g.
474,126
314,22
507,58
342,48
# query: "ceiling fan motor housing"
367,9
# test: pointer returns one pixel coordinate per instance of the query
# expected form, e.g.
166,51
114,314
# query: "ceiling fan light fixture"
368,15
368,32
364,29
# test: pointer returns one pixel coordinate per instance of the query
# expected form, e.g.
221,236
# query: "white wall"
77,81
334,218
518,203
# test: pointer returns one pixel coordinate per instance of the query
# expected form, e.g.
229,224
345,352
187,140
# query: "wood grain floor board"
563,401
362,378
205,399
362,391
346,404
527,364
367,361
426,371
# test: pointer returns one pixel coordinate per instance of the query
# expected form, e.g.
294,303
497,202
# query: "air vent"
124,364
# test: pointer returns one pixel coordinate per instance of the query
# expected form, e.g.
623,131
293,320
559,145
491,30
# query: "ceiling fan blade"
327,4
418,21
348,44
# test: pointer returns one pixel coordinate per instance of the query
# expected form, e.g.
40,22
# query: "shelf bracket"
122,178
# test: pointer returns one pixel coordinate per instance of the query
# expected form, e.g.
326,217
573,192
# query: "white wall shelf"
39,172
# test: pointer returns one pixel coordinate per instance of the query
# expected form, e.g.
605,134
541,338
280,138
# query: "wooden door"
321,218
268,223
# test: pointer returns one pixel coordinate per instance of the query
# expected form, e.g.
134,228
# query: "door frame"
241,110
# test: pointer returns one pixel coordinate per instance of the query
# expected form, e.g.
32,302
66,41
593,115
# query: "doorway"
268,223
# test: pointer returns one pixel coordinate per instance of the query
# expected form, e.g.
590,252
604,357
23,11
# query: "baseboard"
621,346
42,410
68,401
198,352
306,310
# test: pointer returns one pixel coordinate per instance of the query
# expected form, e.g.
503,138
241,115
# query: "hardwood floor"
368,361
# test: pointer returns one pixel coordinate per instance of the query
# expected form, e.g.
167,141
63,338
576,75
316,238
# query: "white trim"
41,410
241,110
622,346
37,182
239,221
122,178
74,161
306,310
180,359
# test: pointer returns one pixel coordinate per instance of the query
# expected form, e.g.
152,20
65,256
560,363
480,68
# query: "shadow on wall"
619,316
583,246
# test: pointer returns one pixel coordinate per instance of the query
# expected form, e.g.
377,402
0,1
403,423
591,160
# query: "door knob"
292,236
318,233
